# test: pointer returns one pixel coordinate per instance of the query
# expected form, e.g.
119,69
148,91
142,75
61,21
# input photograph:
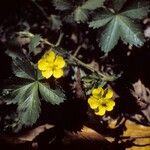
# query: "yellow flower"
51,64
101,101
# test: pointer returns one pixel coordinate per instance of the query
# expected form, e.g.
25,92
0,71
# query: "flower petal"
98,92
50,57
59,62
47,73
101,111
42,64
57,73
109,94
110,105
93,102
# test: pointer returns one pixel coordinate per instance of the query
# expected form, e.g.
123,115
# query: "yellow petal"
50,56
101,111
110,105
98,91
42,64
93,102
47,73
59,62
57,73
109,94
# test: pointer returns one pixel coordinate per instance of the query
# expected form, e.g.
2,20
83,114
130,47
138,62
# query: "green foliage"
117,22
50,95
101,18
55,22
120,25
27,94
80,15
28,103
137,10
23,69
35,41
92,4
62,4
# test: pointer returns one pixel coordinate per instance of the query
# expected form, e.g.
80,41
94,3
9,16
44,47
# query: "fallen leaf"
140,134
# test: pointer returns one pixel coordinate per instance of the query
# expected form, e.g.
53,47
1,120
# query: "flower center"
104,104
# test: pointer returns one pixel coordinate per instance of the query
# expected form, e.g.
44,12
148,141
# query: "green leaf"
62,5
110,36
102,18
130,32
35,41
120,26
137,10
92,4
29,104
15,54
80,15
118,4
23,69
55,22
50,95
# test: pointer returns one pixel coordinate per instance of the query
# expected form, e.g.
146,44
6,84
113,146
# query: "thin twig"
59,39
78,61
77,50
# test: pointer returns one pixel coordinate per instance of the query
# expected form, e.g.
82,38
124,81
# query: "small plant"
72,55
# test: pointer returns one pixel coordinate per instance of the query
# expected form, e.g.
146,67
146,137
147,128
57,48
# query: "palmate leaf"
102,18
92,4
110,36
82,12
29,104
130,32
120,26
80,15
26,94
137,10
53,96
23,69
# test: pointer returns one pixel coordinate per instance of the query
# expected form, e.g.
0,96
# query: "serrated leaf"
80,15
102,18
118,26
62,5
92,4
29,104
130,32
35,41
118,4
110,36
55,22
23,69
137,10
19,92
50,95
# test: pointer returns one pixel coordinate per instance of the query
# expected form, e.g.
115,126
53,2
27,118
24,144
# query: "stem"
77,50
73,57
59,39
88,67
